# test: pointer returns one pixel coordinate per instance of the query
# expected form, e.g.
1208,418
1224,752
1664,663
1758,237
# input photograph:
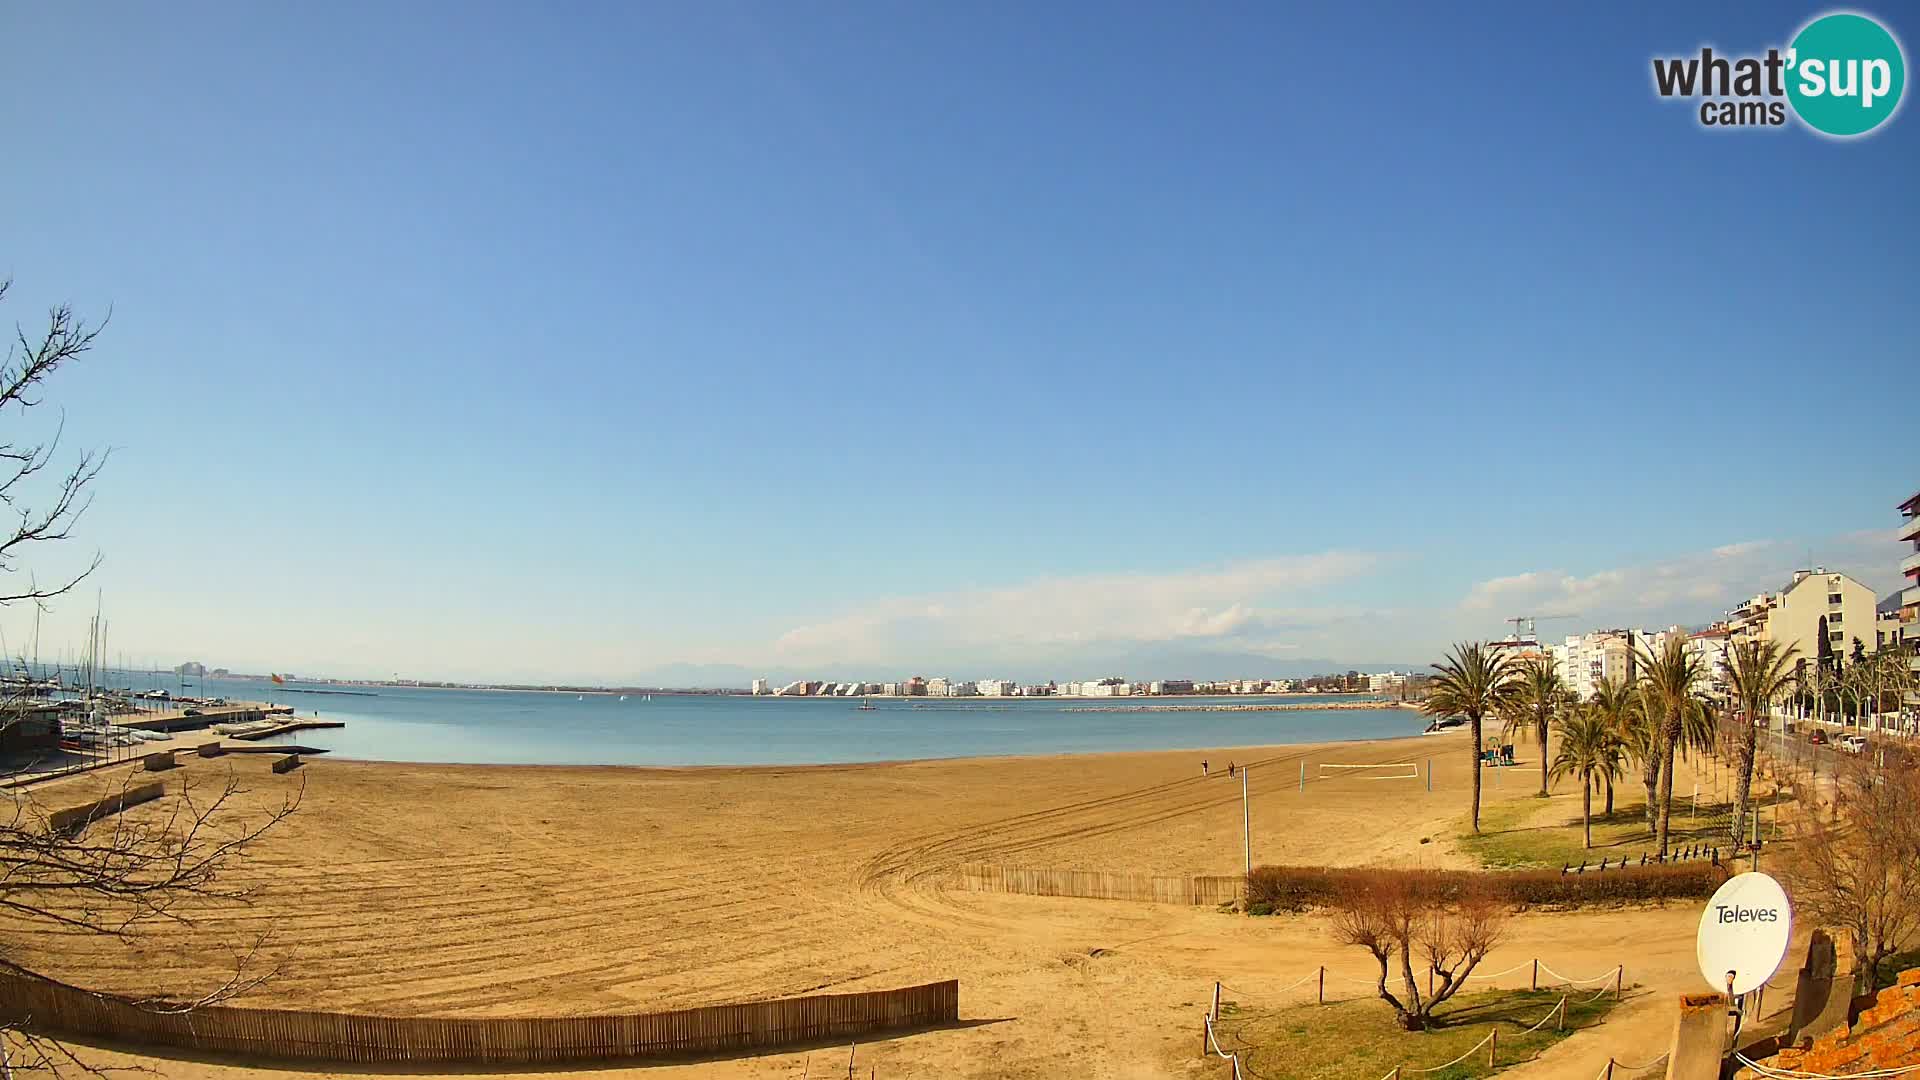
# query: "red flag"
277,679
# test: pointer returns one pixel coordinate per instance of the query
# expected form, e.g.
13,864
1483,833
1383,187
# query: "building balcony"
1911,564
1910,528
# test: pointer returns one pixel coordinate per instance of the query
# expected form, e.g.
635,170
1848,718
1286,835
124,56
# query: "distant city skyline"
661,342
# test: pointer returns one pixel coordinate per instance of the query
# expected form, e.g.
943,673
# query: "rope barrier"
1576,982
1793,1074
1461,1058
1212,1041
1543,1020
1509,971
1606,1071
1214,1045
1301,981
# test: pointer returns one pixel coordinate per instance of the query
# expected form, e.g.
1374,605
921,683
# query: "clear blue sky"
470,340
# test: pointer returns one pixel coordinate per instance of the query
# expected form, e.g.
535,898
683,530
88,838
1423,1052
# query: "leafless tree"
1857,865
109,874
50,517
1399,917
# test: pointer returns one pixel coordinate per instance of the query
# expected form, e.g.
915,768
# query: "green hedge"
1300,888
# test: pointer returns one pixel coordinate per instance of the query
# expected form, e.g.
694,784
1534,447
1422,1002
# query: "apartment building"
1910,598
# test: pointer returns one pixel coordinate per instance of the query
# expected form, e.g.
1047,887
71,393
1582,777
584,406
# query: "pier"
199,716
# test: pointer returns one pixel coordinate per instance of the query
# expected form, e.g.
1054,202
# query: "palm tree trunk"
1743,783
1476,773
1651,775
1540,732
1609,779
1670,741
1586,808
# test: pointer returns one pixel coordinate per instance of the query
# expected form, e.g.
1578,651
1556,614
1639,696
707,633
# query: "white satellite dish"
1744,932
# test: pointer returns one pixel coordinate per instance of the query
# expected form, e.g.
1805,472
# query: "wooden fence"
44,1005
74,816
1102,885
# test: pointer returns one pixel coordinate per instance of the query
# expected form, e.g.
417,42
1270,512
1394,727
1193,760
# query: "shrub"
1300,888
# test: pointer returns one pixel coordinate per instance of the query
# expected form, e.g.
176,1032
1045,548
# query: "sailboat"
623,697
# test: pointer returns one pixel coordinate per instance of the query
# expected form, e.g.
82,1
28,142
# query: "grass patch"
1362,1040
1523,834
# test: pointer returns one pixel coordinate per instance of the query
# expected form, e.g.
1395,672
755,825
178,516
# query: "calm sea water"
512,727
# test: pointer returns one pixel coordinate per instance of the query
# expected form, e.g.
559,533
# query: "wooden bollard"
1536,975
1493,1047
1618,972
1323,984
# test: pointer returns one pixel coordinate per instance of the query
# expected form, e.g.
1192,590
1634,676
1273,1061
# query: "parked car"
190,712
1853,744
1817,737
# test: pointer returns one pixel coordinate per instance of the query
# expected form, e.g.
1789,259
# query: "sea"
386,723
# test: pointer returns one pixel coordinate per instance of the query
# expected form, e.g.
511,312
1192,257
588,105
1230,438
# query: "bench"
158,762
210,749
287,764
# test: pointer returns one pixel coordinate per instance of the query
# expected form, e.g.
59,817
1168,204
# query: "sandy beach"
528,890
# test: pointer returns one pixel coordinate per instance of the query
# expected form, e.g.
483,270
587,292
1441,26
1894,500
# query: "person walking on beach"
1229,770
1203,767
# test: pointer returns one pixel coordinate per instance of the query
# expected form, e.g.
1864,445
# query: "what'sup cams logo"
1843,76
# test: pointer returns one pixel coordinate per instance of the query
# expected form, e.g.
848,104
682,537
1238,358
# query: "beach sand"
526,890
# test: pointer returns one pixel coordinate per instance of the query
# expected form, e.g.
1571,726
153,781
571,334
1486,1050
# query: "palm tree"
1758,674
1668,680
1589,748
1474,682
1643,746
1538,695
1614,700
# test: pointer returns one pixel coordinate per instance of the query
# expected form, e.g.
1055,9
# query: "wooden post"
1493,1047
1609,1075
1561,1024
1619,970
1204,1048
1323,984
1215,1014
1536,976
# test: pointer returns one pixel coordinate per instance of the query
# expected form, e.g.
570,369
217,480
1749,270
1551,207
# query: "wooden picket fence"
51,1007
1101,884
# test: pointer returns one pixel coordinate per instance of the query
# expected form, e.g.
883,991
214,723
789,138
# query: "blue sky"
477,341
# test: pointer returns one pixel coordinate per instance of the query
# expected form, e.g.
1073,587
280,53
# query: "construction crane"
1531,619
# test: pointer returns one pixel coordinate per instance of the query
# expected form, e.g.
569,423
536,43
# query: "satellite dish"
1744,933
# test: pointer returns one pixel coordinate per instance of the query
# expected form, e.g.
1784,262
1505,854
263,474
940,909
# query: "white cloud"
1689,588
1193,605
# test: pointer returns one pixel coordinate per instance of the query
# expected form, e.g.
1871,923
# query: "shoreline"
1301,748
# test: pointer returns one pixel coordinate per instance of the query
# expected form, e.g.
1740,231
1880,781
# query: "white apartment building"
996,687
938,686
1710,647
759,687
1794,615
1386,682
